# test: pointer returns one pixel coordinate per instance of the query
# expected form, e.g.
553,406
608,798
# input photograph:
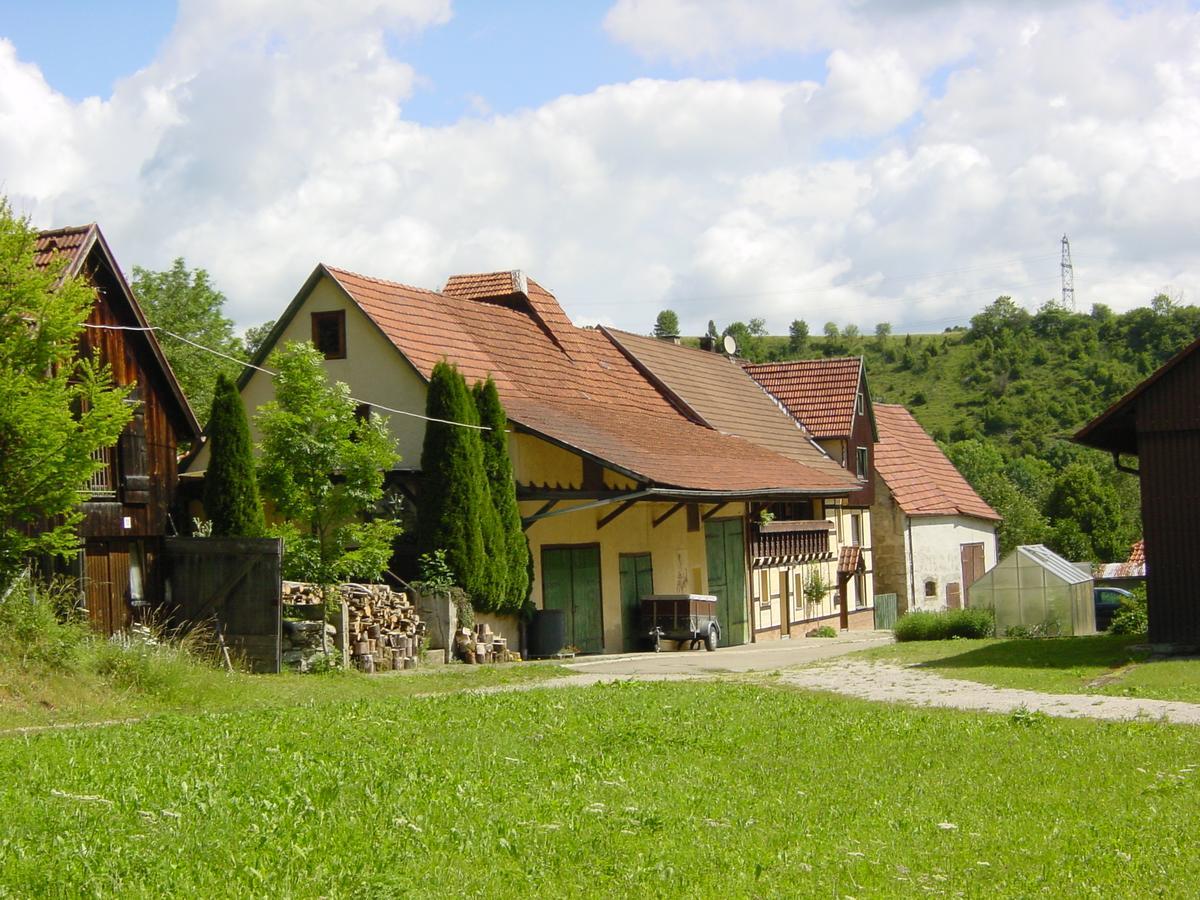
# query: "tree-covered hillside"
1002,396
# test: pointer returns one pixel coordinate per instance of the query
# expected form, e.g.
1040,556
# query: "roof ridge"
388,282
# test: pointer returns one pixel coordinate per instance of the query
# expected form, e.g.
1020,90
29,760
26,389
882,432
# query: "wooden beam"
712,512
670,512
604,520
545,507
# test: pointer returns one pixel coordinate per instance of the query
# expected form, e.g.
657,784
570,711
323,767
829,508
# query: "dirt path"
918,687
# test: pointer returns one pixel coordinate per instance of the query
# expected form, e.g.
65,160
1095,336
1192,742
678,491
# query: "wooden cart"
684,618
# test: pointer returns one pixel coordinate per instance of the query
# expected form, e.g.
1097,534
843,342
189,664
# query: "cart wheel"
710,642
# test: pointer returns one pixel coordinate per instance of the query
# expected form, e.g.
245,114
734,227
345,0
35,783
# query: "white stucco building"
932,534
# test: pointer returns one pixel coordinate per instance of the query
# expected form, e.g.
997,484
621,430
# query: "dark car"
1108,601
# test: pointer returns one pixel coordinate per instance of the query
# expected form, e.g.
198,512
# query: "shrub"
825,631
940,626
1132,617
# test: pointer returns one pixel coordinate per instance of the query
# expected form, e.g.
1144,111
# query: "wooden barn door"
637,581
972,566
571,582
106,585
726,552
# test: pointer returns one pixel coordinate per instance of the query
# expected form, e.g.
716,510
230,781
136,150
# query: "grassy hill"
1005,392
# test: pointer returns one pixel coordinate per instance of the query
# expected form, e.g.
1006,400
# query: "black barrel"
547,633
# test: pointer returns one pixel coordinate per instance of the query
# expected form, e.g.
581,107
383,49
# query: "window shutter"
135,474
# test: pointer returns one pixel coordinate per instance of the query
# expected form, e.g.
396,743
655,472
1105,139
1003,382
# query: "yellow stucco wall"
373,368
677,555
539,462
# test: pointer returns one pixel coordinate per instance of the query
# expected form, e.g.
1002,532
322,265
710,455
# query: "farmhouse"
623,491
790,542
933,535
1159,423
830,399
127,503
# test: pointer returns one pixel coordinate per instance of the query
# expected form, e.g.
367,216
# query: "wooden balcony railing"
792,540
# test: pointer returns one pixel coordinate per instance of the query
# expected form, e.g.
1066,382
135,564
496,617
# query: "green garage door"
727,576
637,581
571,582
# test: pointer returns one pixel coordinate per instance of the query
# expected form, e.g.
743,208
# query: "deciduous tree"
185,301
667,324
322,467
56,410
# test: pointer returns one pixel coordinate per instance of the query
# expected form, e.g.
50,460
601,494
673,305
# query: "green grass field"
714,790
1101,664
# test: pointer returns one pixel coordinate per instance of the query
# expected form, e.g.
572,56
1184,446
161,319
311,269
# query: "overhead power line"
180,337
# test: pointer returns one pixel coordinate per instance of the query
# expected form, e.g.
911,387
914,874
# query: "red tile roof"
849,559
821,393
69,241
1137,554
920,477
716,391
570,384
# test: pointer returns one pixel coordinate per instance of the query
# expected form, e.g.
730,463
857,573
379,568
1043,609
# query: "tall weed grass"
42,631
943,625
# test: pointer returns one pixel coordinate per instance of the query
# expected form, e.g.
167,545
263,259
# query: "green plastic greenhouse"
1036,589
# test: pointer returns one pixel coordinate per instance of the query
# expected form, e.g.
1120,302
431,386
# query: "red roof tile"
719,393
920,477
821,393
571,385
67,241
849,559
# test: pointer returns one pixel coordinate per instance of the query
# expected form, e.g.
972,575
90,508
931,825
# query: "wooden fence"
885,612
234,584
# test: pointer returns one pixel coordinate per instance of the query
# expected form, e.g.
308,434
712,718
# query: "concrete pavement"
765,656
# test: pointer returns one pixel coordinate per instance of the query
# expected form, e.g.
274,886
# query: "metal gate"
885,612
233,583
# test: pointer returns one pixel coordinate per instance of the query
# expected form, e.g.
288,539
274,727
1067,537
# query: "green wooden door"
571,582
637,581
724,548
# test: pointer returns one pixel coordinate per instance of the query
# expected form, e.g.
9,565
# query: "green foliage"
667,324
56,410
815,587
40,626
323,468
825,631
231,499
186,302
982,464
512,556
254,336
944,625
454,491
436,574
1089,524
1133,616
797,336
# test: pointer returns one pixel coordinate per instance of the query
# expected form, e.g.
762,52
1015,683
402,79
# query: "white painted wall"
935,551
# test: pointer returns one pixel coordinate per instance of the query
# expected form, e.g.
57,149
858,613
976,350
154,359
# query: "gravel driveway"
919,687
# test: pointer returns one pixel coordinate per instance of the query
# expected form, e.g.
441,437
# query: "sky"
901,161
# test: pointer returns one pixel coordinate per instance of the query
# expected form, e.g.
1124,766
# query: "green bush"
825,631
1132,617
941,626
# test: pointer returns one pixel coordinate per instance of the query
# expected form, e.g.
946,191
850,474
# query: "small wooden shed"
1034,587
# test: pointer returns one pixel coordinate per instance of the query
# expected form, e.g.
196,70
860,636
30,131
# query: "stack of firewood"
482,646
383,629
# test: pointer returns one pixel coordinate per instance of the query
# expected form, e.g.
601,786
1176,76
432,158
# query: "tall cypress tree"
453,486
498,466
230,489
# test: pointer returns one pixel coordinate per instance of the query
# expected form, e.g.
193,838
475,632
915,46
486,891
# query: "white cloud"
934,166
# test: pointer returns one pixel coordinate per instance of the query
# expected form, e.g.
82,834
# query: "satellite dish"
729,344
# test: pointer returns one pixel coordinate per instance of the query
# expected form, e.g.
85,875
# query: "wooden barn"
1159,423
128,502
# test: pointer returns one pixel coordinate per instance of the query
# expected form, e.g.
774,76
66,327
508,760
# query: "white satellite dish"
729,344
